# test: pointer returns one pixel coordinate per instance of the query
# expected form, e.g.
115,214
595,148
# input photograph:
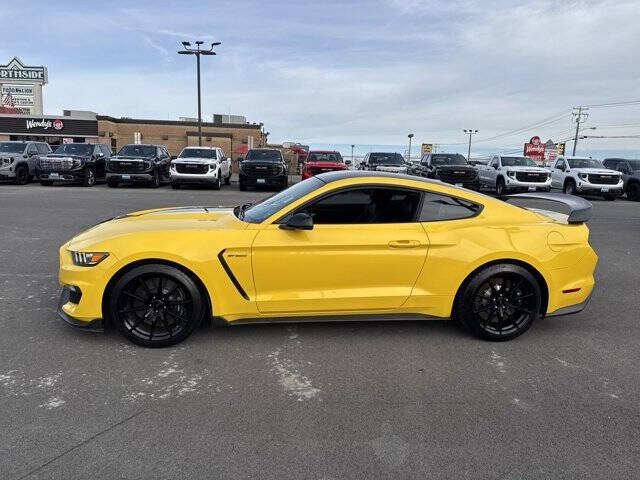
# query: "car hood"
597,171
527,169
326,164
163,220
194,160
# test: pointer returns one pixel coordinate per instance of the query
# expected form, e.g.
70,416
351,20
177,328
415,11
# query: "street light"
352,153
470,132
197,52
409,154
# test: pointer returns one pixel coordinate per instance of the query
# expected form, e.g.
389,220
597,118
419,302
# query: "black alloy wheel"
500,302
155,182
22,175
89,177
633,192
569,187
156,305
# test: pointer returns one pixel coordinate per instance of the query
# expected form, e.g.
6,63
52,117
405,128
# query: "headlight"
173,167
7,161
88,259
511,174
77,163
583,176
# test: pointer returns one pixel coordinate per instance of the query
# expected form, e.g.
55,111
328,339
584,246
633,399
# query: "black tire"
633,192
155,182
46,183
89,179
569,187
488,313
156,305
22,175
227,181
218,183
112,184
500,187
175,186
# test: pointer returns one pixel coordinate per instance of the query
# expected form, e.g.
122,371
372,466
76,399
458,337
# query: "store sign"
17,90
45,124
560,147
534,149
67,127
426,148
16,70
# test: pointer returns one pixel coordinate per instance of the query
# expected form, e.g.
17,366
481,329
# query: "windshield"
518,162
324,157
263,210
635,164
386,159
81,149
264,155
584,163
9,147
448,160
137,151
197,153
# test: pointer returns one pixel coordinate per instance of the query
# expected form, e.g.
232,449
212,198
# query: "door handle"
404,243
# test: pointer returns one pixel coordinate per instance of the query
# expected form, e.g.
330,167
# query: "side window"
105,150
365,205
160,153
436,207
42,148
32,150
560,164
494,162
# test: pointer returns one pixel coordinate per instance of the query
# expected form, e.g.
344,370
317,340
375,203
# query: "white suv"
201,166
513,173
585,175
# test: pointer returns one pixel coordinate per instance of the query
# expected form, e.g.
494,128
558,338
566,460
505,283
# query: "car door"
491,172
364,254
557,173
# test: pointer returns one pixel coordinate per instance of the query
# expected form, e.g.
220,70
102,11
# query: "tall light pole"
470,132
409,154
352,153
197,52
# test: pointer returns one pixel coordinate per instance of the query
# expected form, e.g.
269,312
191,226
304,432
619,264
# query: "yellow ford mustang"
338,246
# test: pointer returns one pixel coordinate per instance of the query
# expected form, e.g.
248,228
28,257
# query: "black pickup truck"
74,162
137,163
449,168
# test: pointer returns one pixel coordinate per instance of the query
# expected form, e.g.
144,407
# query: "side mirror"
173,157
298,221
495,167
229,158
100,155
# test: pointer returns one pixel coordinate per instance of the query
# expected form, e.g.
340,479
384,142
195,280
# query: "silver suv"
18,160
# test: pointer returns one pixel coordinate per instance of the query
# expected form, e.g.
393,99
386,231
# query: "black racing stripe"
232,277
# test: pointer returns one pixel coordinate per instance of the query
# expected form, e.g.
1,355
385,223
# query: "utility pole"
469,132
352,153
409,154
580,116
197,52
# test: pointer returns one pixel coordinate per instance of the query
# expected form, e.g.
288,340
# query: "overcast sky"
345,72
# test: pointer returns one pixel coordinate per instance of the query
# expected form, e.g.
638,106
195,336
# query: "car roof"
143,145
323,151
200,148
329,177
267,149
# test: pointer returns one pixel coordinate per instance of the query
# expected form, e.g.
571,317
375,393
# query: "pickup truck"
449,168
139,163
513,173
201,166
630,170
585,175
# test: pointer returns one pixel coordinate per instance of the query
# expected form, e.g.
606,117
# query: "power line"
614,104
540,123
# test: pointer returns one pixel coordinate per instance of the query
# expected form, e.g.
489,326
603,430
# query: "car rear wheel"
499,302
633,192
569,187
156,305
22,175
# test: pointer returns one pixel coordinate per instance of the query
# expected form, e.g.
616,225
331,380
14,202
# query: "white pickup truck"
513,173
586,175
201,166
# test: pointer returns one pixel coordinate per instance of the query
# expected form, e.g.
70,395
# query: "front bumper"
95,325
7,173
513,184
257,182
585,187
130,177
194,178
61,175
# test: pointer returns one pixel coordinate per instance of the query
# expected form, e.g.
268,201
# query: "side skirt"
385,317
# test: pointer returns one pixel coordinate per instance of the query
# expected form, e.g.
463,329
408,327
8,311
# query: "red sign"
534,149
57,124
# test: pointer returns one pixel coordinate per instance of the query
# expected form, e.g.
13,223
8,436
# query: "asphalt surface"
309,401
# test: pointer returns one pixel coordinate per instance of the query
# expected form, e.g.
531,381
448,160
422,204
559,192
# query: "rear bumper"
95,325
571,309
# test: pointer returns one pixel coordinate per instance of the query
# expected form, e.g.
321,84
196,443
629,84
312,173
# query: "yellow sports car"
342,245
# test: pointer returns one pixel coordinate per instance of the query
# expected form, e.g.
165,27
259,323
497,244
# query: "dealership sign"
534,149
16,70
426,148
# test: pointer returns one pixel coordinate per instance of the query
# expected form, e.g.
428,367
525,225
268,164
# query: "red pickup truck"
320,161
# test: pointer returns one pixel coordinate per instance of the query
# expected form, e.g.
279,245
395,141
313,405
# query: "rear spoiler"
579,208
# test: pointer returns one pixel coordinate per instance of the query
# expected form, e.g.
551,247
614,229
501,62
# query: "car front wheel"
156,305
499,302
569,187
500,187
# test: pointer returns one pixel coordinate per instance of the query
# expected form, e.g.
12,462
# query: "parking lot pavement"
325,401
